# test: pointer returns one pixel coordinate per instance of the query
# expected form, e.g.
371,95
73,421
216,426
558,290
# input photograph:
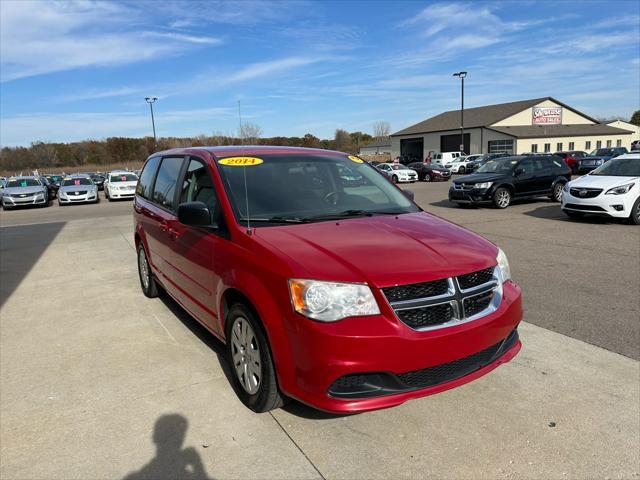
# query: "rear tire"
249,357
502,198
556,192
147,282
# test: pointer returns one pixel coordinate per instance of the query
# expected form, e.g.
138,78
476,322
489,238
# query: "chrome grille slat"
447,308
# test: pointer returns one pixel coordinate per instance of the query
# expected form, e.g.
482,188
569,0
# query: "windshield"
398,167
304,188
602,152
24,182
502,165
76,181
619,167
123,177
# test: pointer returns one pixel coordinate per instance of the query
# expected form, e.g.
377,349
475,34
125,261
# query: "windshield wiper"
275,219
349,214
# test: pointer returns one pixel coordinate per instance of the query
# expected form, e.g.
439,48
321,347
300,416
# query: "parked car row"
611,189
39,190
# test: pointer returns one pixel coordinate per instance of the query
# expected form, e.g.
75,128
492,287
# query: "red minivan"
326,282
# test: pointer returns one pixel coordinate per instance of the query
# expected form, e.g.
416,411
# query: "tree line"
49,156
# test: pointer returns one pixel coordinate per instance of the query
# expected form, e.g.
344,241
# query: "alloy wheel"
143,265
503,199
246,355
557,192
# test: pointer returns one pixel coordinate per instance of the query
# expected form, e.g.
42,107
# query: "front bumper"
325,353
408,179
474,196
85,198
117,194
11,202
617,206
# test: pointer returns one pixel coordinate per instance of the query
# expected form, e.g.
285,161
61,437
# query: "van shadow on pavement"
171,461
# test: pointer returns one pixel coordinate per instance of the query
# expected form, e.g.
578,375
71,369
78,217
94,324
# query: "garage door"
451,143
412,147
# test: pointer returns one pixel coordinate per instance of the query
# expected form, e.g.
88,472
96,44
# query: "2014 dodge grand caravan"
286,262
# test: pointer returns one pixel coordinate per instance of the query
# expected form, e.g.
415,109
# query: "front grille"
592,208
477,303
21,195
447,372
474,279
588,192
427,316
416,290
349,381
445,302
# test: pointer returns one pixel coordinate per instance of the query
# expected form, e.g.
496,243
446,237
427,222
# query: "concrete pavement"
98,381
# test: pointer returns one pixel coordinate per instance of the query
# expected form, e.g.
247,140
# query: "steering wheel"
331,198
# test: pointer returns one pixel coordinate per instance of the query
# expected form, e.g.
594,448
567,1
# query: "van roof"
243,150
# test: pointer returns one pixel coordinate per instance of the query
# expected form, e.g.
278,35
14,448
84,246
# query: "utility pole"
462,75
151,101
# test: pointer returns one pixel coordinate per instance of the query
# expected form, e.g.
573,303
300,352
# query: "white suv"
613,189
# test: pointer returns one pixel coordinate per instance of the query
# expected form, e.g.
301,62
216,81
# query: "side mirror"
518,171
195,214
409,194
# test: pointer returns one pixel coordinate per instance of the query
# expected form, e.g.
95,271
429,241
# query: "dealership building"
537,125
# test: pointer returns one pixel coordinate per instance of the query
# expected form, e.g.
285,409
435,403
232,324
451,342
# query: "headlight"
503,266
484,185
621,190
329,302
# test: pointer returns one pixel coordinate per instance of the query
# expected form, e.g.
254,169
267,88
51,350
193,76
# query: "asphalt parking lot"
98,381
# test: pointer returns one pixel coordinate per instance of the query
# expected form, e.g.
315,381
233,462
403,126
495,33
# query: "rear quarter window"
146,177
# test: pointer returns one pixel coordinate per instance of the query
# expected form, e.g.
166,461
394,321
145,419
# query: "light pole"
461,75
150,101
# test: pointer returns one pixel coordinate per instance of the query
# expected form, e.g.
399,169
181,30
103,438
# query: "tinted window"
198,186
146,177
166,180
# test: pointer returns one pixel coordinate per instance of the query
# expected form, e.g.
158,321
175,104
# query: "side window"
146,177
527,166
197,186
166,180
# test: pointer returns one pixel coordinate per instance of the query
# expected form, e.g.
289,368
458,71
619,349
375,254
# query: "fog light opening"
618,208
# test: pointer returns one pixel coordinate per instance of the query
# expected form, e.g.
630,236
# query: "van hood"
382,250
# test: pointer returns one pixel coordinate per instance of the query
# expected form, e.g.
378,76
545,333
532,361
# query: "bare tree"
381,129
249,132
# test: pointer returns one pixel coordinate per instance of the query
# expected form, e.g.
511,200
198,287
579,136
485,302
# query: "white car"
613,190
398,173
461,164
119,185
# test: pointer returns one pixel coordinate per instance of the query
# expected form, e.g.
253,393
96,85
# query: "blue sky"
78,70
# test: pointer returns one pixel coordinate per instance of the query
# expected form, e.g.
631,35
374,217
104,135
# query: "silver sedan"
23,191
77,189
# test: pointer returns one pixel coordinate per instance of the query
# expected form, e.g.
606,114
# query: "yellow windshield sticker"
241,161
355,159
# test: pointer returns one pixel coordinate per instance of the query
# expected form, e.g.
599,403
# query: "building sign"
547,115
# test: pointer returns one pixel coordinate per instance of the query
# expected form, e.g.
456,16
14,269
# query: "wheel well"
507,186
137,239
232,296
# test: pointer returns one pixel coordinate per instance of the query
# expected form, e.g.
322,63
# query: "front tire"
502,198
634,217
147,282
427,178
249,356
394,179
461,170
573,215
